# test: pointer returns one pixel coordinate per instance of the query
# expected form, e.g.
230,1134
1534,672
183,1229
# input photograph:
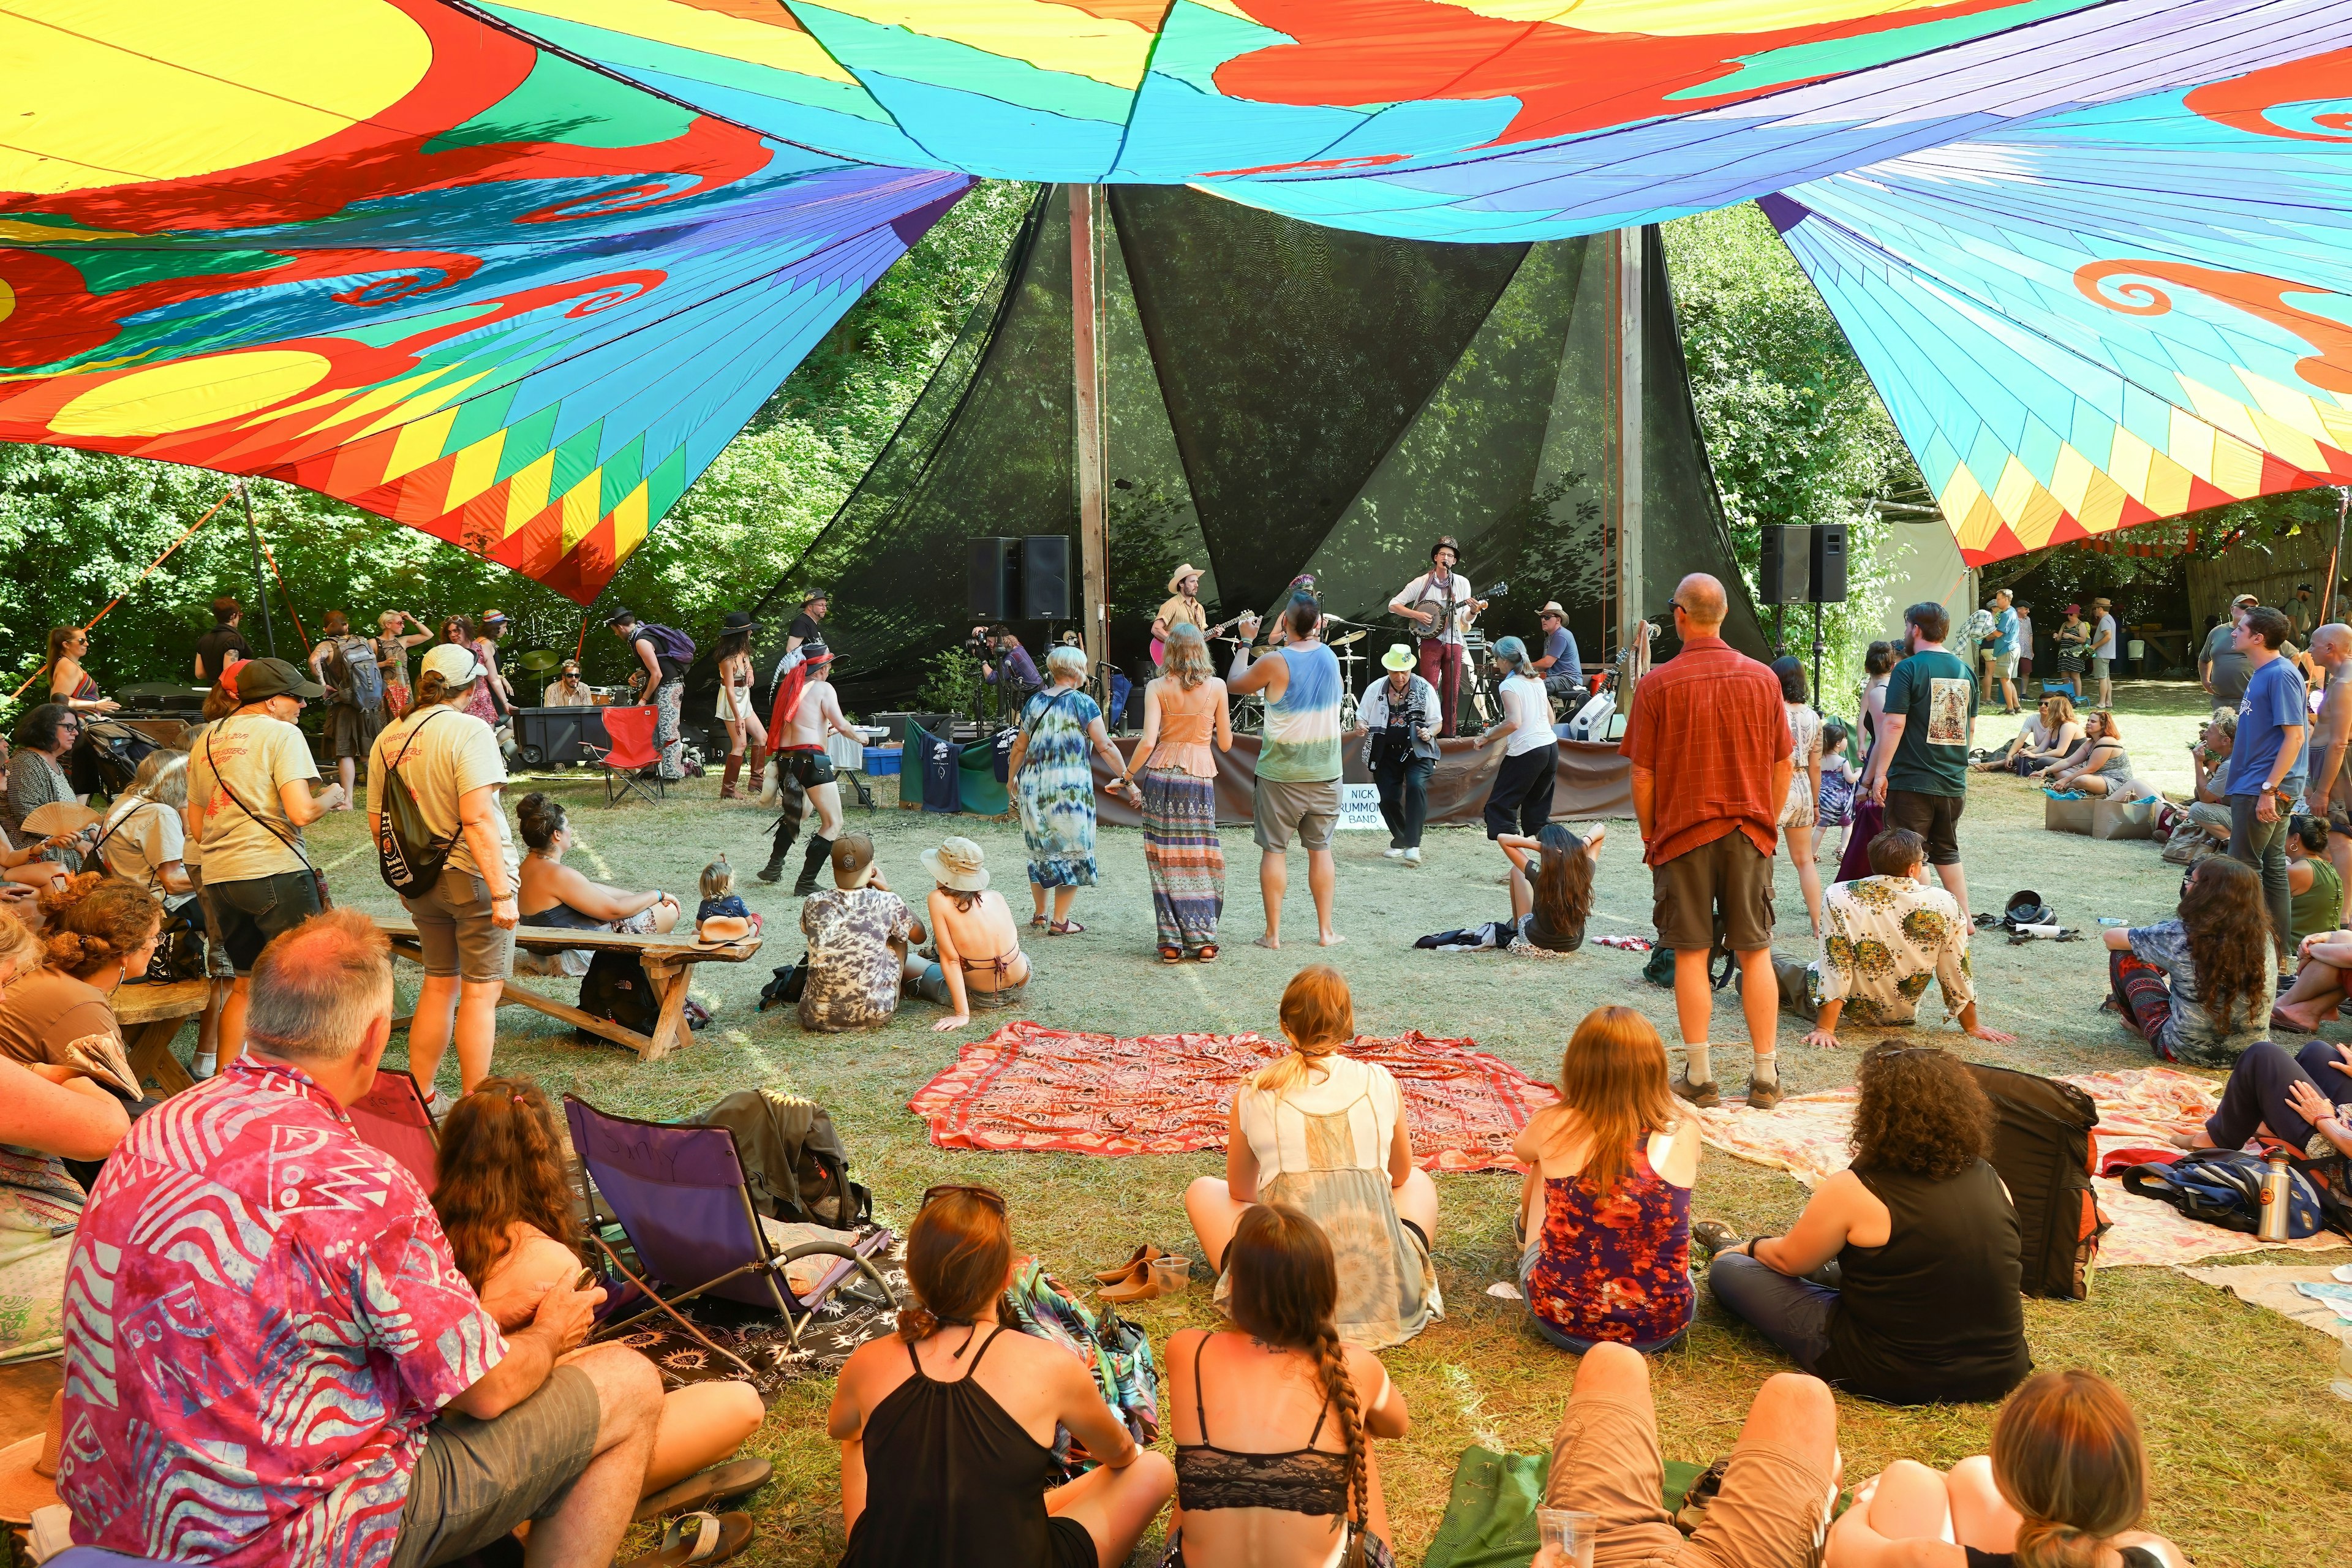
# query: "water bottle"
2274,1195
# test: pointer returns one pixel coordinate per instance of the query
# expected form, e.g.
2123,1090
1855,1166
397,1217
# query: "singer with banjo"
1439,602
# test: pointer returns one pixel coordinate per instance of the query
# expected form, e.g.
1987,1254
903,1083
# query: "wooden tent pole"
1086,341
2335,556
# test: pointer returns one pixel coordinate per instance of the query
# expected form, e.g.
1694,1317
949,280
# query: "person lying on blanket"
2301,1099
1885,935
505,1201
2066,1483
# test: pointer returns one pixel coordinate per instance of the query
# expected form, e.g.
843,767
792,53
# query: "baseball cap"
260,677
456,665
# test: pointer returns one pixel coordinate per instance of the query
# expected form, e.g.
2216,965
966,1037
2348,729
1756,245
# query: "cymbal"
1355,636
539,659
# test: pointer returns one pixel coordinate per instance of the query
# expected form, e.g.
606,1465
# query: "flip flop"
706,1489
1143,1257
1207,954
699,1537
1065,928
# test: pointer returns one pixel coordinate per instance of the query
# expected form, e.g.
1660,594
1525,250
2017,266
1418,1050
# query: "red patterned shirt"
1711,724
262,1316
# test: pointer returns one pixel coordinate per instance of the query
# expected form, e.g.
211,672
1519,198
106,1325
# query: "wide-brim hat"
1551,607
28,1469
719,931
1399,657
737,621
258,679
958,865
1187,569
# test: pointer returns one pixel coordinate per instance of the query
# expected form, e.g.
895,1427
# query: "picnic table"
151,1016
668,961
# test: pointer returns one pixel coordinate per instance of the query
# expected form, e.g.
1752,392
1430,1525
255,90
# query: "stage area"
2249,1449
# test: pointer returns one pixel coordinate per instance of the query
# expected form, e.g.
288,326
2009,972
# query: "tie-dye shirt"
262,1317
1301,739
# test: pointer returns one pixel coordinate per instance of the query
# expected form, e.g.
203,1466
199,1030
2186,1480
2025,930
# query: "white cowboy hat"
719,931
1399,657
956,864
1187,569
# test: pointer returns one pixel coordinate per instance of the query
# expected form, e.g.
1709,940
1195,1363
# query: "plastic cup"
1170,1275
1568,1535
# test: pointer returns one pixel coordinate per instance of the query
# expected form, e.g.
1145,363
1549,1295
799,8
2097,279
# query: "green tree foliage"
1794,429
82,526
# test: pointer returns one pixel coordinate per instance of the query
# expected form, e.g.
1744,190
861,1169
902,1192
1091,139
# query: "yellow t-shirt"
1180,608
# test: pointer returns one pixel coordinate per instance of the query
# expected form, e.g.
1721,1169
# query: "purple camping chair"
92,1557
392,1117
679,1195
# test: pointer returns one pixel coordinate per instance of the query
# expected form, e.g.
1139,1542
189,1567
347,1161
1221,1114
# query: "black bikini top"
1304,1480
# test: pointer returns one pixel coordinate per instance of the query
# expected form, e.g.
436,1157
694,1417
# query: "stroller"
106,757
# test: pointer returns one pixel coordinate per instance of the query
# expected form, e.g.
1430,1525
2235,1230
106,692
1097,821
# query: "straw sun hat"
956,865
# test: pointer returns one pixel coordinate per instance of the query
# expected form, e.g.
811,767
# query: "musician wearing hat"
1010,669
1439,603
1183,607
1397,715
809,625
1561,671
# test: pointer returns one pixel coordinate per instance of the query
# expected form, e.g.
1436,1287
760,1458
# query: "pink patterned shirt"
262,1316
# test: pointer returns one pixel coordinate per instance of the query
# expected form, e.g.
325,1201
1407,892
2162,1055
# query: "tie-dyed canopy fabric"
514,271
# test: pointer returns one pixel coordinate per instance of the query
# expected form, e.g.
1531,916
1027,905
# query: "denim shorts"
243,916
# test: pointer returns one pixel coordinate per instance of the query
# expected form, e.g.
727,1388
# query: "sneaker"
1392,853
1702,1095
1412,857
1715,1235
1762,1095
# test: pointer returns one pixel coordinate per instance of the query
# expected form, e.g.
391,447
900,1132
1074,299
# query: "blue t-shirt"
2273,700
2004,633
1560,648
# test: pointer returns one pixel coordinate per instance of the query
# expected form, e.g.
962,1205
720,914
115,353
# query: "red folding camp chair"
626,761
392,1117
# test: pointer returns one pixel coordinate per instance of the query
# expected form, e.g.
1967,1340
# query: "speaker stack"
1020,579
1801,563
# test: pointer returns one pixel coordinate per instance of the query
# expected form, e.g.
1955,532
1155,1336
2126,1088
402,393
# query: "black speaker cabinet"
1785,568
1828,585
1046,577
993,578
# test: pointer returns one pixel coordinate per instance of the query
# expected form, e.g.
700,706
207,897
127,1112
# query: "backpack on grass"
2224,1187
2044,1152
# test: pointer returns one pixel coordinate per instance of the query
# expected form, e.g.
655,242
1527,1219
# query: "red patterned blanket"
1028,1087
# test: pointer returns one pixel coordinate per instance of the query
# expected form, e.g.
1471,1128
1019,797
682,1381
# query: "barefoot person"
1298,763
1710,743
1185,725
981,963
807,709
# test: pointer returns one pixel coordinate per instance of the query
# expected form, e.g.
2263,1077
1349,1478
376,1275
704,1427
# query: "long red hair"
1613,1077
500,1165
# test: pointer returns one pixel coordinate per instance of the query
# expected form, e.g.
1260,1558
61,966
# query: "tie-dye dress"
1057,793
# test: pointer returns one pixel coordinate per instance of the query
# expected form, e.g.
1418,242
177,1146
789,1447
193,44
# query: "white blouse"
1277,1126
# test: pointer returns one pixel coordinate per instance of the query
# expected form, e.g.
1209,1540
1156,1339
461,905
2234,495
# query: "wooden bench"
151,1016
668,964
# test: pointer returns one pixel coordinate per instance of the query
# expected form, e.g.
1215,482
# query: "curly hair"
94,920
2229,929
1921,1111
500,1165
1286,1291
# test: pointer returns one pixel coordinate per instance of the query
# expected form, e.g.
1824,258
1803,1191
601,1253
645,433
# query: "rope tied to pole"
186,534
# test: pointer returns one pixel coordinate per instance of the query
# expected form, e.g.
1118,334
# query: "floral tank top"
1617,1266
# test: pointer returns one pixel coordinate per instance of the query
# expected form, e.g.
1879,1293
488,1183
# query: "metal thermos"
2275,1191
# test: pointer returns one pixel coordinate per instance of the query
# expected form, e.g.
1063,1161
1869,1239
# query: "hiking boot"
1715,1235
1763,1095
773,871
1702,1095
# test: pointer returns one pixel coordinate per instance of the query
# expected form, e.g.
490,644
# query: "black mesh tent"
1278,397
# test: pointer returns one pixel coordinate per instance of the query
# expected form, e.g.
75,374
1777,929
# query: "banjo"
1435,605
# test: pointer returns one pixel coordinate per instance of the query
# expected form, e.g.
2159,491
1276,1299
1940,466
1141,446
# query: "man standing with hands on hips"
1708,738
2266,763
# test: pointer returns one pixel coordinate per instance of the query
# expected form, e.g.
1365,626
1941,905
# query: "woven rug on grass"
2140,1107
1030,1088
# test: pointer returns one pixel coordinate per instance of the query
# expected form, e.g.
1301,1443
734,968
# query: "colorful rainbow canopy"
514,272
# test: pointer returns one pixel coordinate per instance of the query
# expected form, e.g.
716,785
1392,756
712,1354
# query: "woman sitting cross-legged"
967,921
1325,1133
2098,767
1604,1213
947,1428
2064,1487
1250,1492
501,1191
2300,1099
2222,970
1925,1305
1551,884
550,893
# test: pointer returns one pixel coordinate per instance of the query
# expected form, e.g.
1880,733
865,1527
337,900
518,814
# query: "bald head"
2331,645
1703,603
316,989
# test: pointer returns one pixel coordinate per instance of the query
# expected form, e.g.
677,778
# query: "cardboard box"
2065,815
2099,817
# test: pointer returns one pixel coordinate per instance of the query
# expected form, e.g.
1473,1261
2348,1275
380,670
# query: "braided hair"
1286,1291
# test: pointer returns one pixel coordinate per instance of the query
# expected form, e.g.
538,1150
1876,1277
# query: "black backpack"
2043,1150
407,856
616,987
794,1161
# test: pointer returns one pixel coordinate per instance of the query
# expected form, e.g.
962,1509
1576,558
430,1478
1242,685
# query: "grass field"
2252,1455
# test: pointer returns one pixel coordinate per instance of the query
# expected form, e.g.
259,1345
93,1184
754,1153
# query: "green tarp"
1490,1517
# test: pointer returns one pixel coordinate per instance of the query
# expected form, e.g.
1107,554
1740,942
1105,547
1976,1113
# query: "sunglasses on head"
988,1195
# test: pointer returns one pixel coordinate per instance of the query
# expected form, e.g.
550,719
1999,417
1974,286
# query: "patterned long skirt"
1180,850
